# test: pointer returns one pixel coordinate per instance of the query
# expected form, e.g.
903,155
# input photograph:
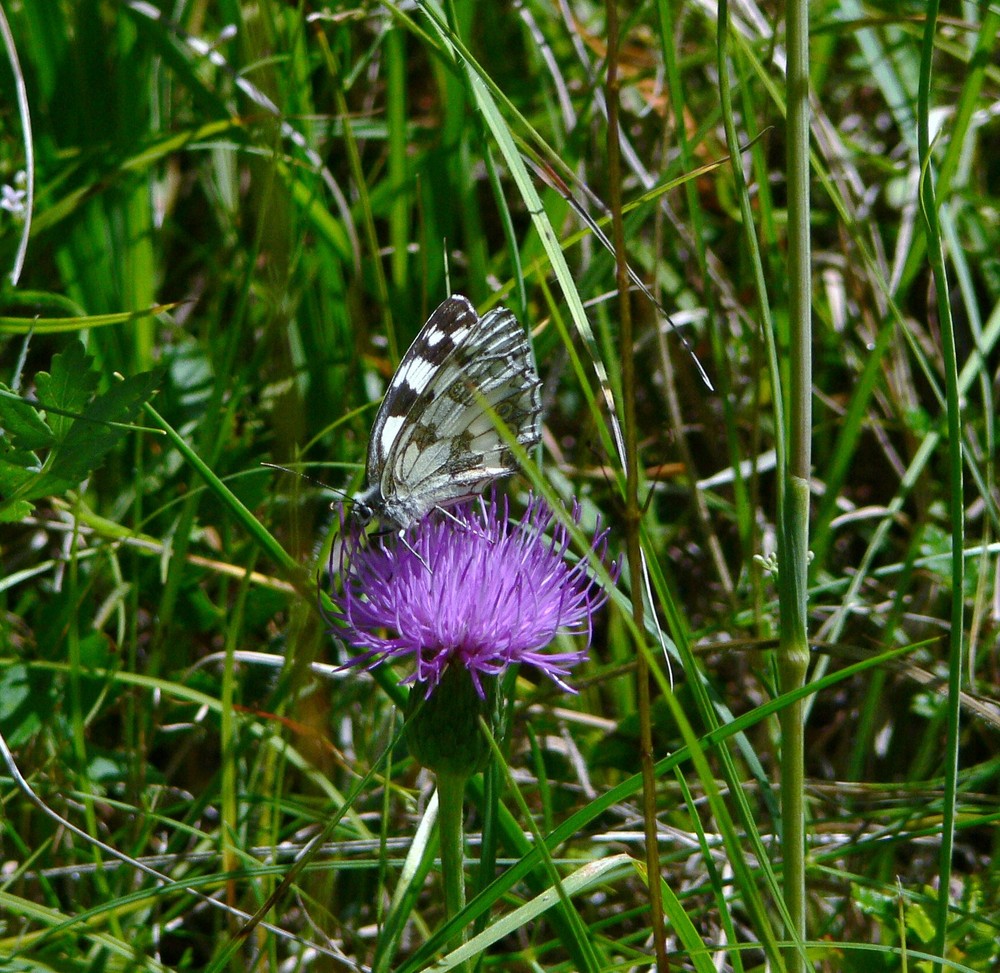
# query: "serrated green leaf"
18,470
15,511
13,477
873,902
21,482
69,386
20,420
91,436
919,923
21,459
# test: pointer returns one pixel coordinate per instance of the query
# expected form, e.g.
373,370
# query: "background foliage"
247,211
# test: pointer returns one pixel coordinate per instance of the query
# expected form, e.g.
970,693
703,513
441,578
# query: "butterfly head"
393,513
365,507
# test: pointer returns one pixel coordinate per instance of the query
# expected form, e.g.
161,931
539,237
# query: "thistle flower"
467,587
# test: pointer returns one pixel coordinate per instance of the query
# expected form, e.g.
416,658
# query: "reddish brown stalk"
632,512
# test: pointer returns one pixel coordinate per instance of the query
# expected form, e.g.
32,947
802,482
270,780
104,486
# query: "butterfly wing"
447,327
433,442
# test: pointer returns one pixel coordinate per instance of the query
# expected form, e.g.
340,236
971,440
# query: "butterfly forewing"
436,342
435,439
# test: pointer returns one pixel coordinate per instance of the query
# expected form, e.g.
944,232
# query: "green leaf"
26,701
20,420
18,469
19,460
69,387
15,511
919,923
91,436
82,428
18,486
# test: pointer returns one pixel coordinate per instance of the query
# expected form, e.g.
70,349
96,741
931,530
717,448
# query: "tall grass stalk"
793,429
632,512
956,504
793,513
24,111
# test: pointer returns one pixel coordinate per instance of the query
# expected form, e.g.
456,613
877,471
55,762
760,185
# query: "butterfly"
434,441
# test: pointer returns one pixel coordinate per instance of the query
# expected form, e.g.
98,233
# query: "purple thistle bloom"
467,586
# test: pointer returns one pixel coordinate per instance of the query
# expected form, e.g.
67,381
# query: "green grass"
250,240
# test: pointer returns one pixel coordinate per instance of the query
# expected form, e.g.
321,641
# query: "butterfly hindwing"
434,440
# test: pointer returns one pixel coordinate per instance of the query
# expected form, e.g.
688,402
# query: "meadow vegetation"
240,215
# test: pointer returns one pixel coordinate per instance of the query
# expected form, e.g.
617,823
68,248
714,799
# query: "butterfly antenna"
548,175
311,479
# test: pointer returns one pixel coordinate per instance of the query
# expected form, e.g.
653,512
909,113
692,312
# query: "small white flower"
13,199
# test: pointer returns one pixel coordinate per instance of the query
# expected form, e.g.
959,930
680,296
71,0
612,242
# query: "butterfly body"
435,439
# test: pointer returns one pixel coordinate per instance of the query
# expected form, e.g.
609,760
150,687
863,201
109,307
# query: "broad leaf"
79,429
21,423
68,387
91,436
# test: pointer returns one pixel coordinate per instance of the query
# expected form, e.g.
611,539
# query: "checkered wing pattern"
435,439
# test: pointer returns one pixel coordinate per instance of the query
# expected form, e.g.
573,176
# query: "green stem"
793,662
793,530
936,256
451,812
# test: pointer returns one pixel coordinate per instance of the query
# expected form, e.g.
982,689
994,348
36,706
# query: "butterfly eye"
361,514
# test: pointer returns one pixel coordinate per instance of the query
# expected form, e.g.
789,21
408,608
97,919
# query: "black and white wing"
434,441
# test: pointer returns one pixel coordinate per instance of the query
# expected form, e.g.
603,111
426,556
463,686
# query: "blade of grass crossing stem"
694,948
565,919
735,784
583,820
603,872
717,881
935,251
743,875
711,709
583,940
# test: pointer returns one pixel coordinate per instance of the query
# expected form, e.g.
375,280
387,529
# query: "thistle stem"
451,814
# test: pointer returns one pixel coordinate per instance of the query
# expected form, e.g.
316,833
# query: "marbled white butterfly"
433,443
